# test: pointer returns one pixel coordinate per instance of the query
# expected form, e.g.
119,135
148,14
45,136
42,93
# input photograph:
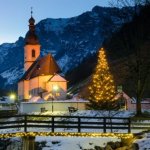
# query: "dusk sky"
14,14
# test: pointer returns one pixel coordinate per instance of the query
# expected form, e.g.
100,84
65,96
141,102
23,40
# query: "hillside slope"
122,49
70,40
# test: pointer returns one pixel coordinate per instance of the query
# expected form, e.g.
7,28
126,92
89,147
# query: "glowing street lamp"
12,96
55,88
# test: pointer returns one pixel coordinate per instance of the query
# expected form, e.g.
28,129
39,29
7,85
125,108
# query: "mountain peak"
69,40
99,9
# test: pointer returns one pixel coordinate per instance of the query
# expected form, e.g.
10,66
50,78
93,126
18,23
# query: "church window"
57,94
33,53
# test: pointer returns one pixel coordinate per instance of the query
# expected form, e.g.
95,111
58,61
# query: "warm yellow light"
30,96
102,85
12,96
55,87
71,134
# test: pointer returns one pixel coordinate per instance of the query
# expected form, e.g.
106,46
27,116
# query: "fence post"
111,129
25,123
28,143
79,123
129,125
52,123
104,125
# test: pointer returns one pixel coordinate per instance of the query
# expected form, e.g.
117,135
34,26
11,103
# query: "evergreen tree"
102,87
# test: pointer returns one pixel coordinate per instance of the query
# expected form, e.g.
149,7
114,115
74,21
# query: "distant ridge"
70,41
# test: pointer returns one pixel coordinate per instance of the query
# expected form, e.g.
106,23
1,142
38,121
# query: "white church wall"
20,90
61,85
26,89
28,49
43,80
28,107
34,83
28,56
38,82
59,81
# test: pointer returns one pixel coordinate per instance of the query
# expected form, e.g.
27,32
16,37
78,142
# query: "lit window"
33,53
57,94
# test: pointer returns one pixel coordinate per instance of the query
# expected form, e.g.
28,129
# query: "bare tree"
137,39
127,3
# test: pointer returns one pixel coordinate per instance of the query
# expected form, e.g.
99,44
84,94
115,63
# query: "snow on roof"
122,95
36,99
56,101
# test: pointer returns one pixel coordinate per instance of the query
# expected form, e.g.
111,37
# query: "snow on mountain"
55,25
69,40
63,62
12,74
4,50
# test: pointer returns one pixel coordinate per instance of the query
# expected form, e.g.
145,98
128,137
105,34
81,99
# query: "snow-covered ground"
92,113
78,143
88,143
73,143
144,143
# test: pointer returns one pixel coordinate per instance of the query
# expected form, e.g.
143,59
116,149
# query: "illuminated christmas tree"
102,87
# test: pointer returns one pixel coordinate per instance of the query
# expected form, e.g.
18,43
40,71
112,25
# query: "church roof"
57,78
122,95
42,66
31,37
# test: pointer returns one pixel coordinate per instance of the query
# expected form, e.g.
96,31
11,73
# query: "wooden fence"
7,112
76,123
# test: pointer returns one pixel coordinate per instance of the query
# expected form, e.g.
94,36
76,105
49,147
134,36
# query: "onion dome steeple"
31,37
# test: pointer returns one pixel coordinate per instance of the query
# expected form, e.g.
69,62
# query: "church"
41,75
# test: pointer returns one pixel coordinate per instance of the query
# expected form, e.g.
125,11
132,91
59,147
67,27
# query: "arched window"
33,53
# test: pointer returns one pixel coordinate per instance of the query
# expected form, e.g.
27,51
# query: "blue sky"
14,14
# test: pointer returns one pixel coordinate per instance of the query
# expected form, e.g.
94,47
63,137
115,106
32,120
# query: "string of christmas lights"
102,87
66,134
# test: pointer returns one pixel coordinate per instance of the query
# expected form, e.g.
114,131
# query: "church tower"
32,46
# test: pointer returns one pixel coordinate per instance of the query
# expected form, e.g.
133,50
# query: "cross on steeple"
31,11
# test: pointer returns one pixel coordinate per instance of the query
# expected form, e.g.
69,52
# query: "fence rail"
7,112
52,123
140,125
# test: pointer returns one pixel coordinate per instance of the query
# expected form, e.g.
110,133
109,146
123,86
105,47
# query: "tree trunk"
138,101
138,107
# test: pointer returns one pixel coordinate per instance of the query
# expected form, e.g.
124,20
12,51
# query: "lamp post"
52,105
54,90
12,98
